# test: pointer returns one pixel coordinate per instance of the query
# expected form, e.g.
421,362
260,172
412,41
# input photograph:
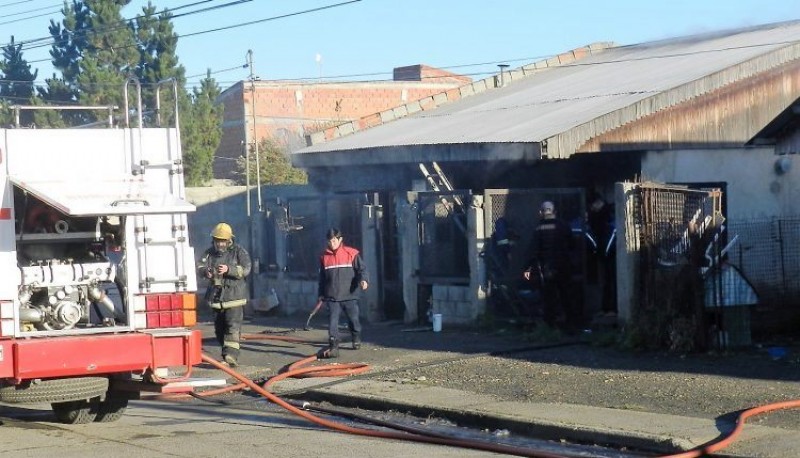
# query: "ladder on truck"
177,240
439,182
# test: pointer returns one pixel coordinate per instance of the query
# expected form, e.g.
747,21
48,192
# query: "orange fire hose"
733,435
298,370
463,443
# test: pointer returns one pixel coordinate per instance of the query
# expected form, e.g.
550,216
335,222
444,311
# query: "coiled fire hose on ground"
298,370
404,436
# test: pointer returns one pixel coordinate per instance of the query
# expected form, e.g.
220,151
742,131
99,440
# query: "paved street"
154,429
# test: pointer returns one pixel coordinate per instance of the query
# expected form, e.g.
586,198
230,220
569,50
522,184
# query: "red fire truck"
97,295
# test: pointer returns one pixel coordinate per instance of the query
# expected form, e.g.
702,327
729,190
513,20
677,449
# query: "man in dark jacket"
601,226
226,265
550,265
341,274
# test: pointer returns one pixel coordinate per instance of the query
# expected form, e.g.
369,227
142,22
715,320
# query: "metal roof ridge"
561,146
457,93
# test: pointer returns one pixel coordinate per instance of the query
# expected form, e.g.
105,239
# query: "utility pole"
247,176
251,222
255,138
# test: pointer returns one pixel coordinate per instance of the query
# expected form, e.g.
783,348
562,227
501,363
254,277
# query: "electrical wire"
327,79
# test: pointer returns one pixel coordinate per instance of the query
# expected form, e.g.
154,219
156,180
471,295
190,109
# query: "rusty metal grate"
442,238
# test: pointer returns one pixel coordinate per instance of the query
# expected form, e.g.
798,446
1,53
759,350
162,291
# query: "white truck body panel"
106,196
132,174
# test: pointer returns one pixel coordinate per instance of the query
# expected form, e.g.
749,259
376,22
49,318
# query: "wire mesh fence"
767,253
707,282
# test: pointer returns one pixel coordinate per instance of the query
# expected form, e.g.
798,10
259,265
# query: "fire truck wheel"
76,412
54,390
112,407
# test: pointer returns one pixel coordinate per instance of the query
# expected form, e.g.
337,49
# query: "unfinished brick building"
287,111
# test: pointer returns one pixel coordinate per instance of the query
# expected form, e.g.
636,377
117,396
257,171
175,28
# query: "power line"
317,78
14,3
51,9
224,70
123,23
244,24
283,16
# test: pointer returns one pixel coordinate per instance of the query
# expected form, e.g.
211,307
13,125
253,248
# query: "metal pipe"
99,296
30,315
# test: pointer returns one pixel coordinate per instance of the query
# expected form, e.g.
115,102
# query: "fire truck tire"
76,412
54,390
112,407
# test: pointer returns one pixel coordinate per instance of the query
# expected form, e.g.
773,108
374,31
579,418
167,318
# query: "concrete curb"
575,423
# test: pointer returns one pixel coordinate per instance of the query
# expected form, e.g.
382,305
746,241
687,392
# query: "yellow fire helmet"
222,231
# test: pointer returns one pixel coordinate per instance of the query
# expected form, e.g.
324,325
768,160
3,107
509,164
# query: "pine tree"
17,84
68,45
158,62
201,132
95,51
110,57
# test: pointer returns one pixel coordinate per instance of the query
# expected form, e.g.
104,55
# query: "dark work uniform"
340,273
552,245
227,295
601,228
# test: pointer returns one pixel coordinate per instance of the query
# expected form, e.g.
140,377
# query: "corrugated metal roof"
555,100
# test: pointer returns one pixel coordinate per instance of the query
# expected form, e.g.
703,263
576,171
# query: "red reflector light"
170,310
162,302
164,319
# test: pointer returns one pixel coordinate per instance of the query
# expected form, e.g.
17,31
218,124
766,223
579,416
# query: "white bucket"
437,322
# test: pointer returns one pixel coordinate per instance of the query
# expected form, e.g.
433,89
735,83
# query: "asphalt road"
166,429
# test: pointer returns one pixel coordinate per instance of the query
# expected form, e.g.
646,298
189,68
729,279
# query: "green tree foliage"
16,86
69,41
201,132
273,163
97,51
158,63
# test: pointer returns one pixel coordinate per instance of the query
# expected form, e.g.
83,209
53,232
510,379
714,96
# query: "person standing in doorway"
342,274
226,266
600,222
550,266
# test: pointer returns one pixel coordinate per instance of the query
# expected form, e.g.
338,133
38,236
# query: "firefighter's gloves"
217,271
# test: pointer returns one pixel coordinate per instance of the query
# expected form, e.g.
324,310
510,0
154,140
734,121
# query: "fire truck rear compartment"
70,277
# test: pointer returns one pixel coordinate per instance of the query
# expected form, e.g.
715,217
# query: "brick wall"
287,111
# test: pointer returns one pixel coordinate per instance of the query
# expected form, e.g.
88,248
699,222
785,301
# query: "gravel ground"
695,385
565,371
699,385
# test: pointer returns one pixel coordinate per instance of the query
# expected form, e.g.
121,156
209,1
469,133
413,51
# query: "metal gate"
305,220
681,235
442,237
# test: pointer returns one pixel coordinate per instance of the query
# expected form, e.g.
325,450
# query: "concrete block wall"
296,296
454,303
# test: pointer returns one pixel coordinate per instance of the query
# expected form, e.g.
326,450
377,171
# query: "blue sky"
366,39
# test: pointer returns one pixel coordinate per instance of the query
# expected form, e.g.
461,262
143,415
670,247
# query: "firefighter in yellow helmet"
226,266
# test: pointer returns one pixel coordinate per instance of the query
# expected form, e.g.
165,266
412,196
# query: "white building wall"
759,183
